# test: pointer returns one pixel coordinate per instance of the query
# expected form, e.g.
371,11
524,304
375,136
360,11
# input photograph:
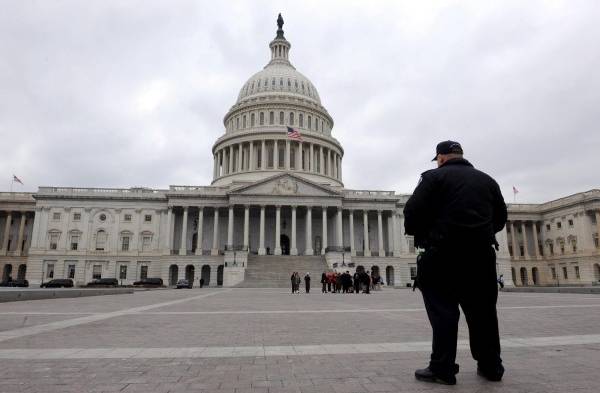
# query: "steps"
271,271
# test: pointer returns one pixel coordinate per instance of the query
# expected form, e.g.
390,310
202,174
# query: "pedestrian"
501,281
293,281
307,282
356,282
298,281
454,214
201,282
324,282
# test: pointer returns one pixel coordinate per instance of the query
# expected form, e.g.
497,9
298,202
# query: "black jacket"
455,204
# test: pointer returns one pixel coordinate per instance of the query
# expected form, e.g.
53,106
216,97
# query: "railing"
368,193
17,196
103,191
199,189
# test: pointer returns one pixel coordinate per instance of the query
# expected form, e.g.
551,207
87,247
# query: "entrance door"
285,244
173,274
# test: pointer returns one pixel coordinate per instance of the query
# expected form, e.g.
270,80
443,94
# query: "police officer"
454,214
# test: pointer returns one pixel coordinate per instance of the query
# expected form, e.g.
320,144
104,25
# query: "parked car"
58,283
103,282
184,284
149,282
18,283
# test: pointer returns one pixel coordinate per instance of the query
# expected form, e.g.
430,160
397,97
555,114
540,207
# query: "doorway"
285,244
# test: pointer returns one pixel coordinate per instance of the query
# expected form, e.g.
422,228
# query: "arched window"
244,121
309,125
271,118
281,118
524,280
291,118
316,124
262,118
301,120
101,239
252,120
237,123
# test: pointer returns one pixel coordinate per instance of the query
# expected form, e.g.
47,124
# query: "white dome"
279,78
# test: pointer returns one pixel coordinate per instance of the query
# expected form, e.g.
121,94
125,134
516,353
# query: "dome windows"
244,121
262,118
309,125
252,120
301,120
291,118
280,82
271,118
281,118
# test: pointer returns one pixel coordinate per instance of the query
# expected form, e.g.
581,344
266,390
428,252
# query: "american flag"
15,178
515,191
293,134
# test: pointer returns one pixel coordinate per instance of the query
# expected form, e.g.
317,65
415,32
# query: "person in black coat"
454,214
356,279
307,282
324,282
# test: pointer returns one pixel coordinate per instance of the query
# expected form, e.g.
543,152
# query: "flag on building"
293,134
15,178
515,191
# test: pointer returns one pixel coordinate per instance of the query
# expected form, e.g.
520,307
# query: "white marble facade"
270,194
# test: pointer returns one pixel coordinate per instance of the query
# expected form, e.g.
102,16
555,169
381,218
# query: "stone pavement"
267,340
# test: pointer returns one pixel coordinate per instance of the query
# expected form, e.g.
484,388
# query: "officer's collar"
457,161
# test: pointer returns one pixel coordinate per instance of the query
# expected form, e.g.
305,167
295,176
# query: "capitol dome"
258,142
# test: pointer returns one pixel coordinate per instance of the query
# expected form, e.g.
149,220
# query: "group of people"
296,281
335,282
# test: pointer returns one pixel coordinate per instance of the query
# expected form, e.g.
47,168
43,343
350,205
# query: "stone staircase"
271,271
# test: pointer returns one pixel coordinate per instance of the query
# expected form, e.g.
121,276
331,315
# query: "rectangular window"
127,217
577,272
565,273
570,223
50,271
125,243
143,272
56,216
97,272
596,242
74,242
551,248
146,242
413,272
54,241
559,225
76,216
71,271
148,218
411,245
123,272
522,251
547,227
553,273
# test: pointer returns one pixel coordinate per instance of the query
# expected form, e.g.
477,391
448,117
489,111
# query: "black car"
184,284
18,283
149,282
103,282
58,283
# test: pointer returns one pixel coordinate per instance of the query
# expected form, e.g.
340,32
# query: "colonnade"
335,244
277,154
9,219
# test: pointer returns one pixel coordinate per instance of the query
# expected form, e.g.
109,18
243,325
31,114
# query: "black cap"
447,147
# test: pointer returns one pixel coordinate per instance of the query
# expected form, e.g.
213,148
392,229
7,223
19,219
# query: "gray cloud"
120,94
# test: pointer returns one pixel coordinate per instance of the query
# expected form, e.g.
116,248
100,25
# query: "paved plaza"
267,340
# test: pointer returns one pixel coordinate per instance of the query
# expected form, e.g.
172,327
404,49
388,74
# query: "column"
367,250
21,231
380,234
287,155
200,236
220,164
275,154
169,235
309,249
513,238
239,161
395,237
6,233
246,227
335,165
263,156
215,246
261,240
251,165
351,220
183,246
230,166
277,230
293,248
36,227
321,169
535,240
324,236
525,245
597,213
311,161
230,229
340,168
338,226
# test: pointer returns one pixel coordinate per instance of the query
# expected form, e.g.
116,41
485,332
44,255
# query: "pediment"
285,185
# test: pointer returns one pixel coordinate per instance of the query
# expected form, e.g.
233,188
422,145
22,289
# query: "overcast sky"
133,93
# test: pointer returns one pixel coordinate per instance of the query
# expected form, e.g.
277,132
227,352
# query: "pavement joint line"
335,311
286,350
52,326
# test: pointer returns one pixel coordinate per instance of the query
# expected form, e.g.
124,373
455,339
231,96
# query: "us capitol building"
276,204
